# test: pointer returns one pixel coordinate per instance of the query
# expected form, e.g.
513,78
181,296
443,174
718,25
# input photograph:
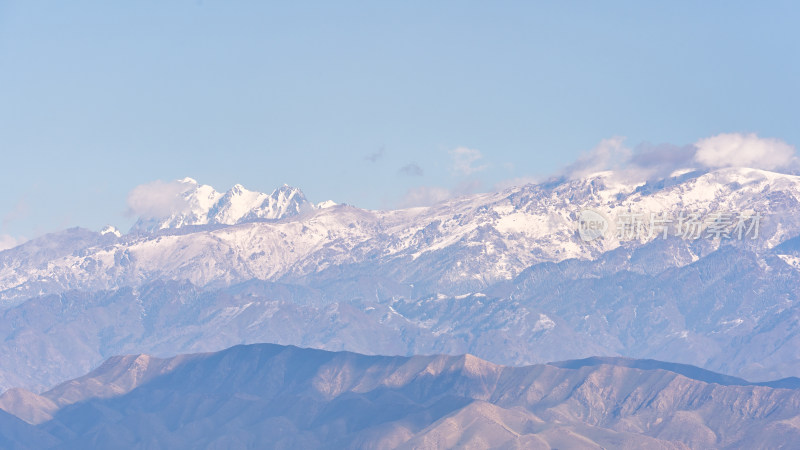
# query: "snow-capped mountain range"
505,275
459,246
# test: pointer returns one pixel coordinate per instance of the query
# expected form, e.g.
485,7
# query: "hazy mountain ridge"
293,397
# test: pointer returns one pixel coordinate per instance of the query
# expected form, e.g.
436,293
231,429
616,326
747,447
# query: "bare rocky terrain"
287,397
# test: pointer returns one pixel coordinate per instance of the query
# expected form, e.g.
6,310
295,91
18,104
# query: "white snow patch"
793,261
108,229
544,323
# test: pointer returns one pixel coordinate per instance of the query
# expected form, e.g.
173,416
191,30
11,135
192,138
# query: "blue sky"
338,97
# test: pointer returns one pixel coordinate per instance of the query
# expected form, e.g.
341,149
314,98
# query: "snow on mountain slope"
235,204
202,205
463,243
239,204
109,229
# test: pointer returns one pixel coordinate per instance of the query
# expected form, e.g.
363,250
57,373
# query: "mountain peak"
203,205
285,188
238,189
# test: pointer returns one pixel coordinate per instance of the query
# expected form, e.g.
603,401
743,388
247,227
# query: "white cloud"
424,196
463,160
609,154
429,195
647,161
160,198
744,150
632,165
513,182
7,241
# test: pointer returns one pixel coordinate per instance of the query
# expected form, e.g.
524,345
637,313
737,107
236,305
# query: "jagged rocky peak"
288,200
200,204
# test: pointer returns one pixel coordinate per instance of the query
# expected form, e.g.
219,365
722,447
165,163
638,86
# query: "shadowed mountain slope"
286,397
